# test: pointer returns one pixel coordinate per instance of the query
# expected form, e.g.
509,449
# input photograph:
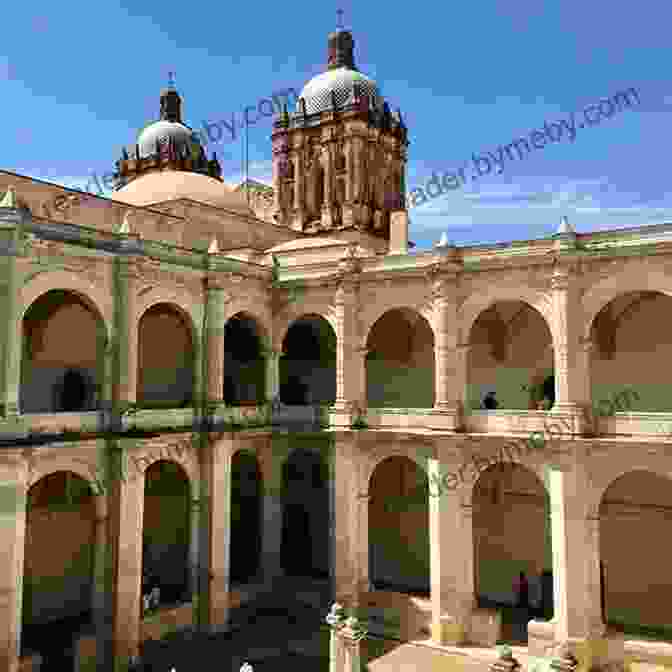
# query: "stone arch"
422,310
246,516
400,360
306,529
291,315
64,338
607,289
59,563
510,354
166,531
93,296
636,506
398,517
245,343
81,468
389,452
308,361
181,453
629,363
181,301
167,346
512,534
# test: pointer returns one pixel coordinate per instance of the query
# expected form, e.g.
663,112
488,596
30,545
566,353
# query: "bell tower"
339,159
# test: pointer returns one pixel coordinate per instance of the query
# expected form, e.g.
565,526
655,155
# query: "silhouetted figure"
522,590
73,391
490,402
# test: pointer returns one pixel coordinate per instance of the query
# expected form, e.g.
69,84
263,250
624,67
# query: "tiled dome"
162,131
342,81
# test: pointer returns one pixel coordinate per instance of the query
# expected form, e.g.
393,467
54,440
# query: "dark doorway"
304,547
548,387
308,365
244,364
245,517
73,392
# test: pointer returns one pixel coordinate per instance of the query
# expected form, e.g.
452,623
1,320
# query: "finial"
9,200
444,242
565,226
125,227
339,21
171,79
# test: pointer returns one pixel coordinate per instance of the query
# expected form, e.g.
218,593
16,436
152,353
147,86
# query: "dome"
162,131
342,81
170,185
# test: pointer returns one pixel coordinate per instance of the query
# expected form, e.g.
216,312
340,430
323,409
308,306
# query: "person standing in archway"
521,589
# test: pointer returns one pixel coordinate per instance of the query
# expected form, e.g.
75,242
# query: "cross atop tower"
339,21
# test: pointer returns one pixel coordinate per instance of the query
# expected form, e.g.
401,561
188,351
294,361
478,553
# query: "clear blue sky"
78,81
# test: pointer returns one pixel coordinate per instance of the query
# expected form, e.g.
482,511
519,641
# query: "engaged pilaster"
350,358
216,299
571,369
446,414
576,569
451,563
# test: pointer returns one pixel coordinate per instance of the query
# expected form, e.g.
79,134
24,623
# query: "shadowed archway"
58,579
399,527
306,530
245,517
308,364
63,354
512,534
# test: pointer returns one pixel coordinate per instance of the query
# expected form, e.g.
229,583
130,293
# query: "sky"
77,82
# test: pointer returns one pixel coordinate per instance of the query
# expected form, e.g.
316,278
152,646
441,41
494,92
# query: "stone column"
451,560
351,634
446,413
328,167
126,512
584,361
570,372
125,345
215,535
13,484
271,459
100,554
299,189
331,465
576,565
461,380
194,524
216,299
350,371
11,226
350,534
348,209
273,375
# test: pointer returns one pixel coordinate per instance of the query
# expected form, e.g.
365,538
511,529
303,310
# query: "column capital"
215,283
353,631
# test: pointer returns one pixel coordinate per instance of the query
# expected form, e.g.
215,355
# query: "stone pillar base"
349,216
342,414
605,652
327,219
597,652
445,418
448,632
576,416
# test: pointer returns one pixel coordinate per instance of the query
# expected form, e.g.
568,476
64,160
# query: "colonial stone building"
208,393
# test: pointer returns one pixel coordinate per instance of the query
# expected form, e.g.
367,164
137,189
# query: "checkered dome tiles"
342,81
